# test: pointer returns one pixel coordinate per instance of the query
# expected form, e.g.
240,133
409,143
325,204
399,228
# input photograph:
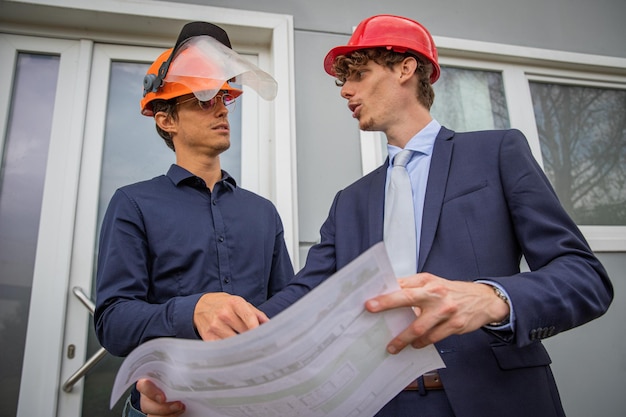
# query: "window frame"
519,66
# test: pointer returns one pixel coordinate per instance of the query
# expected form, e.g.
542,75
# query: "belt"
431,381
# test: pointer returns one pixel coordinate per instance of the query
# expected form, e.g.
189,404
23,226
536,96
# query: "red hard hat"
396,33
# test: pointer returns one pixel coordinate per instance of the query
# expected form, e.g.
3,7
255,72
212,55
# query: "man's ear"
408,67
165,121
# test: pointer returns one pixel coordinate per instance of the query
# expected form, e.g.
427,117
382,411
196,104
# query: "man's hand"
153,402
443,308
216,316
221,315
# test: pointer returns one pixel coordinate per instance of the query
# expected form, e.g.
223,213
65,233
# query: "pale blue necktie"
399,222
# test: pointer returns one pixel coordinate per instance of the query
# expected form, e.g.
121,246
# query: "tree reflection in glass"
582,131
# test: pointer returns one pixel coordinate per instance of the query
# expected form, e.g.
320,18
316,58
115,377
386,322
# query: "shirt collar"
423,141
178,175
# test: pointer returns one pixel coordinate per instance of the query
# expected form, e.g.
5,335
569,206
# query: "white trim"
520,105
253,153
605,238
576,79
529,55
7,64
285,171
372,155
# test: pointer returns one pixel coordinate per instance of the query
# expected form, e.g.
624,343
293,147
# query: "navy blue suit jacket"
488,203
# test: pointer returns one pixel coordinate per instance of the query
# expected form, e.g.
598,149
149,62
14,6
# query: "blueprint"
323,356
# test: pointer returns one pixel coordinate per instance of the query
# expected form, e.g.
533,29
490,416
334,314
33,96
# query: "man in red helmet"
480,203
188,254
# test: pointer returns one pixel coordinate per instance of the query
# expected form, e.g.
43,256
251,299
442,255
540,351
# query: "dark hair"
346,65
168,107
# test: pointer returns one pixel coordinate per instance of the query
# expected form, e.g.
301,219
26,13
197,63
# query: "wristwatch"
504,298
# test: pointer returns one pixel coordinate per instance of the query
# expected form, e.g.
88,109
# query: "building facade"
71,133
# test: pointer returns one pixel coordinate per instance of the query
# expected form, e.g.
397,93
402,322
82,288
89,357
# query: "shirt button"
227,280
215,202
220,239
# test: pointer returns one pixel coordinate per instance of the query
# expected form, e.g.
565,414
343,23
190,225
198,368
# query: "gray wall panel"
593,27
589,362
327,137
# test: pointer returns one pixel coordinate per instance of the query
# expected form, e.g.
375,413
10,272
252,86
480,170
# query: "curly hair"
346,66
168,107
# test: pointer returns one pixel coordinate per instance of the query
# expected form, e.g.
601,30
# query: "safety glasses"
207,105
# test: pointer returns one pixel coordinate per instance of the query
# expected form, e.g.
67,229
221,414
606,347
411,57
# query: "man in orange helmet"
188,254
480,203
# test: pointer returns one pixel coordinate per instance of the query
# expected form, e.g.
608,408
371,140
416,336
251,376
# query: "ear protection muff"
152,82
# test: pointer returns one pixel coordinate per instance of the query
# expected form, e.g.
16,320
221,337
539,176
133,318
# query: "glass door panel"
22,175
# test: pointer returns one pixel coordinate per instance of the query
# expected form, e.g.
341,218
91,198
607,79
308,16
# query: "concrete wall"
586,26
589,362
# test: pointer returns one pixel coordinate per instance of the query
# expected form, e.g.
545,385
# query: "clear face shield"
204,64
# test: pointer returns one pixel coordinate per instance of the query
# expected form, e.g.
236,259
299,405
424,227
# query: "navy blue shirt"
167,241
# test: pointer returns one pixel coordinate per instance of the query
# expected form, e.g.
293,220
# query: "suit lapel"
376,204
435,191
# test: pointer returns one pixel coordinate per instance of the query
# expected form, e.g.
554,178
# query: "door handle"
96,357
84,298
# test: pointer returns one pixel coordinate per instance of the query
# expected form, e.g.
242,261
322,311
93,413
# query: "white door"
39,88
74,135
120,147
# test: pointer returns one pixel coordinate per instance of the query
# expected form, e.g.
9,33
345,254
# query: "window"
470,99
571,108
582,132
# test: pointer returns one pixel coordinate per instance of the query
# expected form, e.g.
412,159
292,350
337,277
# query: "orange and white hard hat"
188,85
202,63
396,33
